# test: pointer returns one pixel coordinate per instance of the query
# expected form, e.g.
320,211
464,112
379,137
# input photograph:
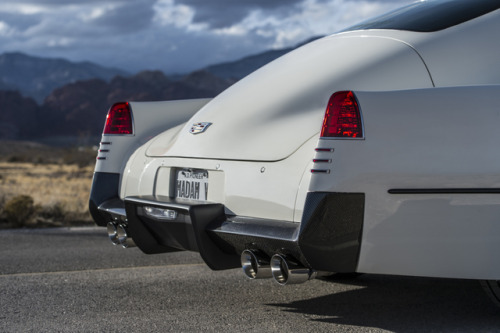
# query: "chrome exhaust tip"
255,265
123,237
113,233
287,271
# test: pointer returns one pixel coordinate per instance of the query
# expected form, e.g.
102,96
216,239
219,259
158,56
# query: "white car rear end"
369,151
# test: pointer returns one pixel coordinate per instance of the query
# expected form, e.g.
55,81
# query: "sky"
175,36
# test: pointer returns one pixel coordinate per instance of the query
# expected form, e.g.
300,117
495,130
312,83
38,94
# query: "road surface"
74,280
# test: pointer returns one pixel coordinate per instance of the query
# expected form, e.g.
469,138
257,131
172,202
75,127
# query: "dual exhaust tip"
118,235
283,269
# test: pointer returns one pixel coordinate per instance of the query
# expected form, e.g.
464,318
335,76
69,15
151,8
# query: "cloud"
225,13
171,35
124,17
20,22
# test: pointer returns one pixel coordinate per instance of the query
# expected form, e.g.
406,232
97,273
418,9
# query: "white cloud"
6,30
168,13
95,13
310,18
22,8
61,42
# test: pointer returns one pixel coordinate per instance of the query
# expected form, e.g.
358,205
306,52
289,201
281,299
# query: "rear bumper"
327,239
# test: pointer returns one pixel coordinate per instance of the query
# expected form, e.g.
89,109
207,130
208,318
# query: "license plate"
192,184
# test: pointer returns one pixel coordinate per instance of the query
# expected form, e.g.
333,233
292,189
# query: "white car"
373,150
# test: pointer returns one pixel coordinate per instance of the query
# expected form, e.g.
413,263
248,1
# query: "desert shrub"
55,212
16,159
19,209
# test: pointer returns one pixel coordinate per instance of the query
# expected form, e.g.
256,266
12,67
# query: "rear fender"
429,168
149,119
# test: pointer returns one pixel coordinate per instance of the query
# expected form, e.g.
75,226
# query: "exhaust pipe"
255,265
117,233
123,237
287,271
113,233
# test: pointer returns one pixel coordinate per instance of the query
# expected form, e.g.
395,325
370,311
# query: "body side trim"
444,191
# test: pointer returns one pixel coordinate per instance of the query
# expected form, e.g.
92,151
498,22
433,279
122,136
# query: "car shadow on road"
403,304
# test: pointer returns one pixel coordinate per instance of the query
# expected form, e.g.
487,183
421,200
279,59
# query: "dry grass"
60,192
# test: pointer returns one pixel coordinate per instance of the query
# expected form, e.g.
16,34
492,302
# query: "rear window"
432,15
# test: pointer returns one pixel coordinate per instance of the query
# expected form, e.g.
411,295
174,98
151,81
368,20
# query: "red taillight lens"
342,117
119,119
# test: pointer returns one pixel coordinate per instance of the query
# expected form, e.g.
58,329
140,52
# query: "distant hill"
80,108
18,115
37,77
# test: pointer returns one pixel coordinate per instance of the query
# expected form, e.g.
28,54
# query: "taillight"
342,117
119,119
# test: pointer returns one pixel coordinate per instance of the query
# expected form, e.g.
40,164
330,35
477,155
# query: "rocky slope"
80,108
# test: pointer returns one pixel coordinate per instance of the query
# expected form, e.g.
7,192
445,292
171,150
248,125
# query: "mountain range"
41,97
37,77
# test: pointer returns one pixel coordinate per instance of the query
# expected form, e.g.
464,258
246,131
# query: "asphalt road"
74,280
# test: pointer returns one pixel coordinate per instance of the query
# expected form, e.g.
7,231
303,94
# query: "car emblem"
197,128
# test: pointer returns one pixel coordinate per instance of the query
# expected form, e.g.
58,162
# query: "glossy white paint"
464,55
258,189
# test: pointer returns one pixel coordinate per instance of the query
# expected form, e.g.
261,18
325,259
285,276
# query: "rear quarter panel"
441,138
